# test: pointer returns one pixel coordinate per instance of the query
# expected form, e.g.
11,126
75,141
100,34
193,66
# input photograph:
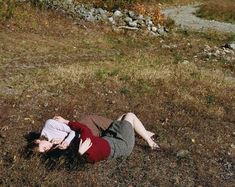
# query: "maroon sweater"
100,148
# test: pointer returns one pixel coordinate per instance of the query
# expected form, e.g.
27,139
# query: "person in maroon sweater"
118,140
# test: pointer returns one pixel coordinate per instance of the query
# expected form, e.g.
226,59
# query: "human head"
43,145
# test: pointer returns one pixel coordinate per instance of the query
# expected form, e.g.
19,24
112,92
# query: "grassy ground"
217,10
53,65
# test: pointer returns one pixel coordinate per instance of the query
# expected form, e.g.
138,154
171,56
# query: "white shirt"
55,130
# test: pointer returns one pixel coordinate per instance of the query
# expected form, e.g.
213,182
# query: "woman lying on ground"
118,140
55,134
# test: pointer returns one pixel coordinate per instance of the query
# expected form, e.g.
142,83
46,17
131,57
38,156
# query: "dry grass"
217,10
67,69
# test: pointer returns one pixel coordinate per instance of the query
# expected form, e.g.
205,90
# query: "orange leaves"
152,11
157,16
140,8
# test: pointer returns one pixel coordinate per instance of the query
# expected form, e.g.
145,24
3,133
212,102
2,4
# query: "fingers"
56,117
84,146
155,146
90,145
87,143
63,145
80,143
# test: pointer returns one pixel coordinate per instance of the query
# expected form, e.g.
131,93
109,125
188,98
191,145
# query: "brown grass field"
215,10
51,64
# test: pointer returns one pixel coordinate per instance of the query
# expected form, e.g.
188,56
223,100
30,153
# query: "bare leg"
121,117
140,129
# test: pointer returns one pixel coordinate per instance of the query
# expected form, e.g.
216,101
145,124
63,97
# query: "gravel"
185,18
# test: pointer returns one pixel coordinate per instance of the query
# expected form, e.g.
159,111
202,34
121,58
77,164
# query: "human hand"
60,119
154,146
84,146
56,141
64,145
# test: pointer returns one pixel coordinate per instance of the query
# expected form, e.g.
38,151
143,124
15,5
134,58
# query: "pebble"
131,14
127,19
187,62
230,45
111,20
161,31
133,23
183,153
117,13
154,29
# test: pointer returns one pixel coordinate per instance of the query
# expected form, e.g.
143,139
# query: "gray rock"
141,23
117,14
140,17
127,19
132,14
159,26
149,22
111,20
161,31
154,29
90,18
102,13
147,18
230,45
183,154
133,23
93,10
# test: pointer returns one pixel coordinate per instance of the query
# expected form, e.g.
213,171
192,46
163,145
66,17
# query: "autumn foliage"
154,12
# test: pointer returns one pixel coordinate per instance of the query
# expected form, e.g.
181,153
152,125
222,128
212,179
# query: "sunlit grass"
218,10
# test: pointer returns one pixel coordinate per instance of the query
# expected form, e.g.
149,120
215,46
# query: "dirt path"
184,17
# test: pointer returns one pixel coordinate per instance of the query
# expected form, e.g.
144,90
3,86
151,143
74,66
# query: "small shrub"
125,91
101,74
7,8
154,12
210,99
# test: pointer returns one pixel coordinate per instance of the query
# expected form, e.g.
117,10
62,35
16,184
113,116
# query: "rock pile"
226,52
119,19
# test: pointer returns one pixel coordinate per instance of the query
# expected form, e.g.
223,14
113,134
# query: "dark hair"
68,159
28,150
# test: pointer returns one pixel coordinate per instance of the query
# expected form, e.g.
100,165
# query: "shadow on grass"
55,159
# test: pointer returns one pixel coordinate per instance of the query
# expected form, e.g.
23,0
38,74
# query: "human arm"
61,125
61,119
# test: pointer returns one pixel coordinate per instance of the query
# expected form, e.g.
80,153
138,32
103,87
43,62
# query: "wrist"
66,122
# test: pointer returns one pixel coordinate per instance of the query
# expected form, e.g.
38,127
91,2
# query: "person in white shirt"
54,133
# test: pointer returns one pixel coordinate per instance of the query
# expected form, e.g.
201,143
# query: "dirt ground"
51,64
